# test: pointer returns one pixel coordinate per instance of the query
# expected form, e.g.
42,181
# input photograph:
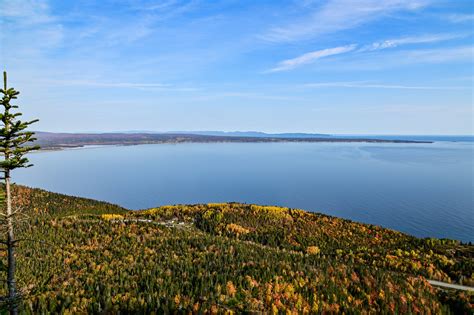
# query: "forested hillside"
80,255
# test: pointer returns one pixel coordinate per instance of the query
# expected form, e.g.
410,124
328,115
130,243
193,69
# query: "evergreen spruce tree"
14,146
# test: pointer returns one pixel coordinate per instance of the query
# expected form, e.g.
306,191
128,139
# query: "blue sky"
331,66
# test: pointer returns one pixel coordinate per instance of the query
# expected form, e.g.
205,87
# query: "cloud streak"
438,55
311,57
26,12
31,22
120,85
430,55
424,39
366,85
460,18
339,15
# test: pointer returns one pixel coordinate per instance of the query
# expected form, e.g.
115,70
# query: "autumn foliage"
96,257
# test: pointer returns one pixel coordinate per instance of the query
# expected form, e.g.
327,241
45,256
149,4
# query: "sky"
322,66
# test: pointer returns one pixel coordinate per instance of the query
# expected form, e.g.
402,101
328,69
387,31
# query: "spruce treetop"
13,135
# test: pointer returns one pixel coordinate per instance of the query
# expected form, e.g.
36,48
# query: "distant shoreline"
60,141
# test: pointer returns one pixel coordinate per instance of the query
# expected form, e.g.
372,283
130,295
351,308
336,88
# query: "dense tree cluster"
89,256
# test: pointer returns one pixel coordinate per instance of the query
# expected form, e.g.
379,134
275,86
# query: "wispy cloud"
31,22
156,6
338,15
438,55
423,39
433,55
110,84
367,85
26,12
119,85
250,95
167,8
414,108
311,57
402,59
459,18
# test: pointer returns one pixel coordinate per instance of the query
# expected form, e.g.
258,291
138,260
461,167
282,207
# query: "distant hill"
254,134
49,140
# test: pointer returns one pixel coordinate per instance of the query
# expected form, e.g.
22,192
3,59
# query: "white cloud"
338,15
159,11
367,85
424,39
439,55
250,95
435,55
109,84
400,58
119,85
311,57
460,18
25,12
157,6
111,30
30,22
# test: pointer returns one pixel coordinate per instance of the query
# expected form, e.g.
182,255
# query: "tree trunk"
10,248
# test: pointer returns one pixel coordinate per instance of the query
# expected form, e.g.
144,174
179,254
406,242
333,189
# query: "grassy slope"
89,256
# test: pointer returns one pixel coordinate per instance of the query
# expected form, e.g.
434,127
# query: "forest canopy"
91,256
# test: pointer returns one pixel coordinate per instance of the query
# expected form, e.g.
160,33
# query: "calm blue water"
421,189
415,138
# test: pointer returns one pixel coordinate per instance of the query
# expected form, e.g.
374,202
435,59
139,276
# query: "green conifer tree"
14,146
